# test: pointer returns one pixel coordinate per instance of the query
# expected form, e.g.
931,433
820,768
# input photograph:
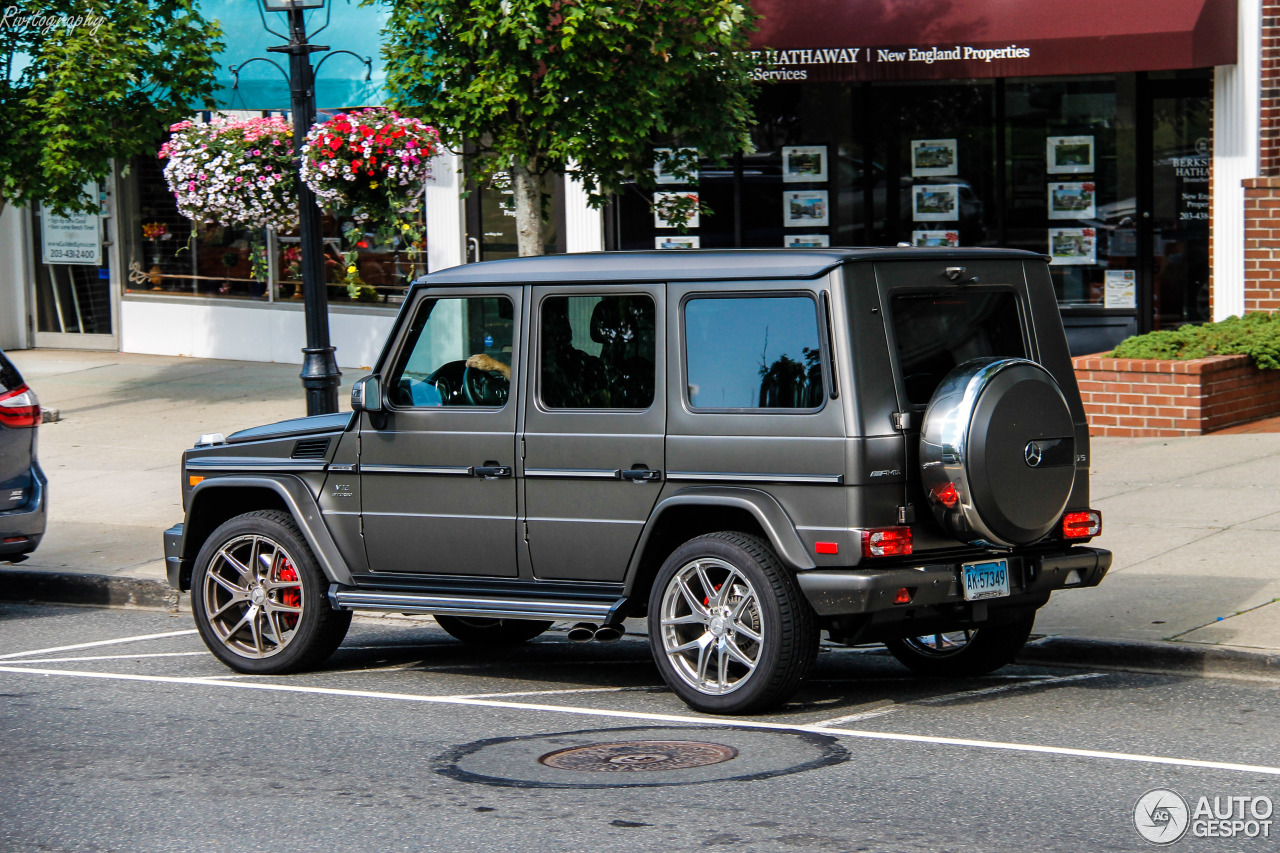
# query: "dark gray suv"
23,487
747,447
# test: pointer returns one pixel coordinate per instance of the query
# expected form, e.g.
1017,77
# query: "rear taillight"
886,542
1081,525
19,408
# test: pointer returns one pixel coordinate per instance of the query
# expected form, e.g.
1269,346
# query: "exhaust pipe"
583,632
609,633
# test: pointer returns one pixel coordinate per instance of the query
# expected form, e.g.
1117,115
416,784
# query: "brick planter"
1135,397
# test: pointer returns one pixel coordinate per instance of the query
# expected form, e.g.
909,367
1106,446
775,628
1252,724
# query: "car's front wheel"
258,597
492,632
729,628
969,652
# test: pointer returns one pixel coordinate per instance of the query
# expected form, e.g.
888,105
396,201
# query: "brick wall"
1133,397
1262,244
1269,117
1262,195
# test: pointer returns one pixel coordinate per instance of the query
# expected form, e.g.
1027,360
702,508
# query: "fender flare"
301,505
763,507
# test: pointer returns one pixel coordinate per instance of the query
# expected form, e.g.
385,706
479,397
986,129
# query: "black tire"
293,627
780,641
961,654
492,632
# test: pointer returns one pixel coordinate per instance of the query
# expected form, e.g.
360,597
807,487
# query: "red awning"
956,39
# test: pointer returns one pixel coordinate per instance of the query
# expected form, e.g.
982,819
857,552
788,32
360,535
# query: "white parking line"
1052,681
1029,683
663,718
114,657
557,692
136,639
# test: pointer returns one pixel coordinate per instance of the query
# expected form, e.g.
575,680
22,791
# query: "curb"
77,588
1153,657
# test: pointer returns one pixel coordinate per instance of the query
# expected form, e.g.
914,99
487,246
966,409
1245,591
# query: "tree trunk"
527,186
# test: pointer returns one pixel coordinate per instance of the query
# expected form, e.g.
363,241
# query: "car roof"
693,264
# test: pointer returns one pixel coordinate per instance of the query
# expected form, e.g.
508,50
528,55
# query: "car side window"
597,352
753,352
457,353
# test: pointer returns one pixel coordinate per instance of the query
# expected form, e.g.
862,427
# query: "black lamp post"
320,374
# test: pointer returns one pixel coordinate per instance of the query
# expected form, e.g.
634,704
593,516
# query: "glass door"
75,300
1175,217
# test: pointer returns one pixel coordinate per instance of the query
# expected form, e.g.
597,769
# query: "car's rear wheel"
492,632
730,631
257,595
967,652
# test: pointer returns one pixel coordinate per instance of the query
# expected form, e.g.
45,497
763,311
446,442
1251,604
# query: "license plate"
989,579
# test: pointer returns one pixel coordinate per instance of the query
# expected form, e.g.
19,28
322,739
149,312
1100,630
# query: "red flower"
362,245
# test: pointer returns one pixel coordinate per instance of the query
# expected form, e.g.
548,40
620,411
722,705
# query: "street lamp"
320,374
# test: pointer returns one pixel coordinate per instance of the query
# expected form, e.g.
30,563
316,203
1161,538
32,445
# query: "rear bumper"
1033,576
26,524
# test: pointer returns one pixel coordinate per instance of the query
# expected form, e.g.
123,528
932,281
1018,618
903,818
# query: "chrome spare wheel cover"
940,645
997,452
252,596
712,630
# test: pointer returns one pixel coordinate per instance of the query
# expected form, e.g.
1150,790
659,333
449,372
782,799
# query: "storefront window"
802,186
166,253
934,164
1072,189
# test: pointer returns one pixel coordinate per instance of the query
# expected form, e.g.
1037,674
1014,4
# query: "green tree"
91,81
581,87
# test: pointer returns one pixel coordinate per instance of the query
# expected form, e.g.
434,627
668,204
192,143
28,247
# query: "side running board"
601,611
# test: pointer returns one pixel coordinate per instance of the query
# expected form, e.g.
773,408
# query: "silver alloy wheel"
252,596
941,645
711,626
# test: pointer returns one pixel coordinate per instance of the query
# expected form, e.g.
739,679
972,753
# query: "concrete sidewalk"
1194,522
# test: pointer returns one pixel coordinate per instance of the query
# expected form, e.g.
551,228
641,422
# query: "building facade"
1135,143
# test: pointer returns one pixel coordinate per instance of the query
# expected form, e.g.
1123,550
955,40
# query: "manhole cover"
631,756
670,755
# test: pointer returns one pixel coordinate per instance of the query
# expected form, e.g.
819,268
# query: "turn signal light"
194,480
886,542
1081,525
19,408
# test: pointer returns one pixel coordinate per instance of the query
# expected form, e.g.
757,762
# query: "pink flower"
257,152
239,179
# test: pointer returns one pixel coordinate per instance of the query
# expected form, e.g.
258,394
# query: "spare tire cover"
997,452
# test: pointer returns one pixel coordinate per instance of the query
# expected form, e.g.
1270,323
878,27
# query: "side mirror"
366,395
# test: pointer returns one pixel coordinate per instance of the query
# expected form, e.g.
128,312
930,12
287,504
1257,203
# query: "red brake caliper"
290,597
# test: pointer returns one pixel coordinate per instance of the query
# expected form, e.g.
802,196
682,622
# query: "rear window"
9,376
936,332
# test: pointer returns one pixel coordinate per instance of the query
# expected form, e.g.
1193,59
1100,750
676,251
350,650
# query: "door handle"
642,475
492,472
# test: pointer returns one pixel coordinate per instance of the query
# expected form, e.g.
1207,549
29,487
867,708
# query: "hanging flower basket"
234,173
372,163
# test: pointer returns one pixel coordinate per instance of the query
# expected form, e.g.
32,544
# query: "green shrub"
1256,334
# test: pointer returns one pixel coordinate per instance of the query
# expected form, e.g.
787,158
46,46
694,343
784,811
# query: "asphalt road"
119,732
